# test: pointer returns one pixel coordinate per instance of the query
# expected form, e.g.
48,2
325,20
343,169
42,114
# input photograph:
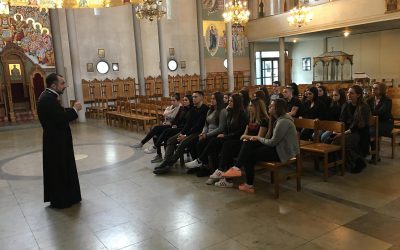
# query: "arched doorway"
20,87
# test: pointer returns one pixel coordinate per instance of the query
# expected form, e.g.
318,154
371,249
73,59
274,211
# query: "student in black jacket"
381,106
313,108
188,135
177,124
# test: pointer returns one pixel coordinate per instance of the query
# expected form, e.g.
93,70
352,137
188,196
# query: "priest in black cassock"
60,177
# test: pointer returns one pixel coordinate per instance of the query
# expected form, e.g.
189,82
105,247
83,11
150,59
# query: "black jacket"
196,120
235,127
383,109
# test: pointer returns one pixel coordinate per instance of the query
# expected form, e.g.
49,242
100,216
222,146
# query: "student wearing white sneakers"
258,126
169,115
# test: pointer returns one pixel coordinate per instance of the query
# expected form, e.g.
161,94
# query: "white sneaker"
224,183
217,174
137,145
193,164
150,150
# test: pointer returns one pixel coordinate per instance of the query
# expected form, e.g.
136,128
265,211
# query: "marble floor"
126,207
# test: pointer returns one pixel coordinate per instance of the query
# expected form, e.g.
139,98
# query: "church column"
163,58
139,51
75,62
200,40
282,61
272,7
252,64
58,53
231,78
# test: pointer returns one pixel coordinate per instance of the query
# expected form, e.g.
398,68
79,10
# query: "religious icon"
101,53
391,5
183,64
89,67
306,64
15,71
212,39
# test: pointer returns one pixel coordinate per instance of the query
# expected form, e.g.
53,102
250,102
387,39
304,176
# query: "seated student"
226,98
267,96
323,96
312,109
276,91
293,104
235,125
214,125
261,95
188,135
244,93
380,106
257,126
355,115
333,111
295,88
281,147
169,115
177,124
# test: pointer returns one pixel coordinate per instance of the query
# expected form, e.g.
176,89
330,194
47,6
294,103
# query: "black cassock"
60,177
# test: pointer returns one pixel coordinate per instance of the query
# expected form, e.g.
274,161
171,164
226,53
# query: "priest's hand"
77,106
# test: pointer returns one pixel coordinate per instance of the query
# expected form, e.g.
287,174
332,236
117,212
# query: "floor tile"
345,238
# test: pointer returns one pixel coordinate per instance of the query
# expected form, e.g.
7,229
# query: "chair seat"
304,142
395,131
275,164
320,148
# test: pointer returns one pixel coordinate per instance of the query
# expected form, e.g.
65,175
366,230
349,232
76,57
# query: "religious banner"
213,32
29,28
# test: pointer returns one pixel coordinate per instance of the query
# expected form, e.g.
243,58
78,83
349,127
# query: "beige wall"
217,64
337,14
113,31
376,54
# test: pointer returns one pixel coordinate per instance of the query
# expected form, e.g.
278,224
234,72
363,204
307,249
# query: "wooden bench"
277,178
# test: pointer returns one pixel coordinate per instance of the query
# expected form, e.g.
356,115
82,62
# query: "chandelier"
236,12
150,9
300,16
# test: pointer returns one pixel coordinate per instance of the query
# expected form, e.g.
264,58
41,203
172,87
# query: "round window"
172,65
102,67
226,63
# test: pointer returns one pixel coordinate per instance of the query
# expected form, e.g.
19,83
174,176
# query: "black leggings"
230,150
250,153
163,138
155,131
212,149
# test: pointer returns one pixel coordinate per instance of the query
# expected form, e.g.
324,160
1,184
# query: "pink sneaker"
233,172
246,188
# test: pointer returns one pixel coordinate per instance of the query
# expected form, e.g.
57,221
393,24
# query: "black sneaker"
157,158
162,170
203,171
360,165
192,170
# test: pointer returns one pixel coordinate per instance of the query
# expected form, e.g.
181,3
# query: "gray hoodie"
284,138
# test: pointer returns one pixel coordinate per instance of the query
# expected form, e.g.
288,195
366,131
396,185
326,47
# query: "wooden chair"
302,123
395,133
374,122
277,178
322,149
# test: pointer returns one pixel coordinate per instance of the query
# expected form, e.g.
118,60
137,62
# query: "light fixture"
346,33
150,9
300,16
294,40
236,12
4,8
